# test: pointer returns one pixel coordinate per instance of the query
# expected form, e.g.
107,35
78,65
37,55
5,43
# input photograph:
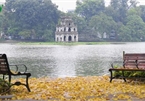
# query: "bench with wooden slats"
131,62
5,70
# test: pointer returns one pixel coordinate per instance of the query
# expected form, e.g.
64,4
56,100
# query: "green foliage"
142,7
124,33
37,19
120,8
25,34
136,26
4,86
100,20
27,18
1,8
89,8
130,73
47,35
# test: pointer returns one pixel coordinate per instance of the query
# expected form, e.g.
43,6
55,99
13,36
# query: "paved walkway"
133,98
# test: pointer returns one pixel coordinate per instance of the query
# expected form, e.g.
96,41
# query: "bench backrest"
134,60
4,66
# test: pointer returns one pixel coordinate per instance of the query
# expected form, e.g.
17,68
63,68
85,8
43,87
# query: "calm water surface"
68,61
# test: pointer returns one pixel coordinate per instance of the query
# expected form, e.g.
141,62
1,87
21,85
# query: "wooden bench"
132,62
6,70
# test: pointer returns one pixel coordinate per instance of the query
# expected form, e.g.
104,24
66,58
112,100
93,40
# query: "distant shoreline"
60,43
54,43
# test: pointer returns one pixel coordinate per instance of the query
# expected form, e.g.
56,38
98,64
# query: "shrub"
130,73
4,86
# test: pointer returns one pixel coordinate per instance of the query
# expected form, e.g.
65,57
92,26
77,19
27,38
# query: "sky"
65,5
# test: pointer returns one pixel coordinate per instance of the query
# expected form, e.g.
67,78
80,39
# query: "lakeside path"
92,88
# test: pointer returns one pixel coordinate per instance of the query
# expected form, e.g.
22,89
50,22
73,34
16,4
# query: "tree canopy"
31,19
89,8
123,20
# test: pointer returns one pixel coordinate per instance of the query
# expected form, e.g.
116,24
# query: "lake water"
68,61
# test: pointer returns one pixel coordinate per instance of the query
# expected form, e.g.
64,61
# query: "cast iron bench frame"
131,62
5,70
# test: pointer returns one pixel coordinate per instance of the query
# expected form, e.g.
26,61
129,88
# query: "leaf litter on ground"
91,88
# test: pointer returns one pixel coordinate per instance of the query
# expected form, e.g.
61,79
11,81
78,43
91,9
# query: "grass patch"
63,43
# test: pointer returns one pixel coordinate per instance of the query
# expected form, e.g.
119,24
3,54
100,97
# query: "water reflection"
64,61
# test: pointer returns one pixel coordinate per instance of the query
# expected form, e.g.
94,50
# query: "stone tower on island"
66,31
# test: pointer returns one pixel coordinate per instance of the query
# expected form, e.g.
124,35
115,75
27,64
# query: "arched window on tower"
69,38
64,29
75,38
69,30
64,38
74,29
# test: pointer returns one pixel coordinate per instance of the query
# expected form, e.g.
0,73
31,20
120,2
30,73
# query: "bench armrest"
18,66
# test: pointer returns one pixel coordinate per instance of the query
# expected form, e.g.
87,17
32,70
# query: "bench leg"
9,78
123,76
124,79
27,85
19,83
3,77
111,76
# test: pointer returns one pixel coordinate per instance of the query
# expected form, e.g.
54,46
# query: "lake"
68,61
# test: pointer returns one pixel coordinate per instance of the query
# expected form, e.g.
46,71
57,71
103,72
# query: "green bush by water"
4,86
129,73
